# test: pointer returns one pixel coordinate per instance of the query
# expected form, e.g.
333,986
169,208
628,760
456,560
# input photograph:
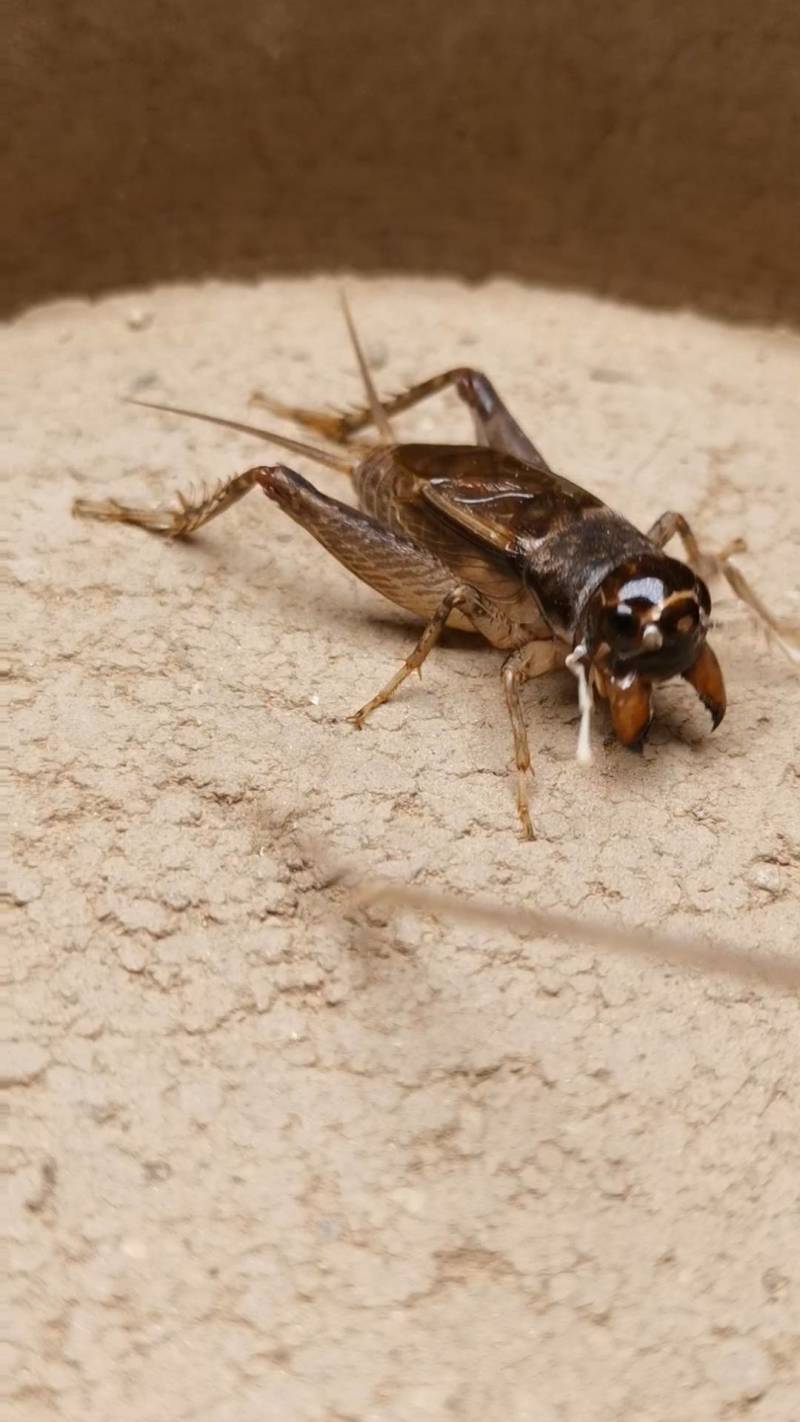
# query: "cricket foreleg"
524,664
513,681
709,565
177,522
706,564
495,426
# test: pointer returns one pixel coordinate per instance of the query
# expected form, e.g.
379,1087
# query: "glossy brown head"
645,623
649,617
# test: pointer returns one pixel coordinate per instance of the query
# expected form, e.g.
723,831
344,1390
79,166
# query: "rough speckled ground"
270,1161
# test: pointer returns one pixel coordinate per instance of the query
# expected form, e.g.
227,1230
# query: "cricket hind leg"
171,522
495,426
408,575
707,564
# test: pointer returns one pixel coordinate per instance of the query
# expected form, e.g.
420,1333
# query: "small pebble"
138,319
766,877
25,886
377,354
742,1371
132,957
21,1063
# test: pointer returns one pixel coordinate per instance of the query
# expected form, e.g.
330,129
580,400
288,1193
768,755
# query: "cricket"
487,537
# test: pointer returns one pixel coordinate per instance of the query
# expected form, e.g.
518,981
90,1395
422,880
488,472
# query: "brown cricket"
486,536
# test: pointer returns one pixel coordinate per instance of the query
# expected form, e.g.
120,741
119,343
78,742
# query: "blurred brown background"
642,148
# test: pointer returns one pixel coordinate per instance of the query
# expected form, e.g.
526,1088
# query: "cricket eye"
622,623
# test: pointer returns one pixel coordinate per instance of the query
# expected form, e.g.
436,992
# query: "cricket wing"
493,497
525,524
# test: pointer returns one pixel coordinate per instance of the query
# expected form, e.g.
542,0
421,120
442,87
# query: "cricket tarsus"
180,522
488,536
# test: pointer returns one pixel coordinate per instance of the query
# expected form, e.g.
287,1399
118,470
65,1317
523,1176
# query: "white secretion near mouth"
574,661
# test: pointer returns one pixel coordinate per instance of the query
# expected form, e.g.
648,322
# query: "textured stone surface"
646,150
270,1159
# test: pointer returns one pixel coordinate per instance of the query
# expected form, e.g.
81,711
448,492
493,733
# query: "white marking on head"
652,638
651,589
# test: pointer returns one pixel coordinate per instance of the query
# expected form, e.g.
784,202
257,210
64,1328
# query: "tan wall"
646,147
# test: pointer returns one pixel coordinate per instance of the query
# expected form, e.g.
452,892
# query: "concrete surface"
638,148
275,1161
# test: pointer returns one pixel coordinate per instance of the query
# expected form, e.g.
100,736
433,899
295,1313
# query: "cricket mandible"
487,537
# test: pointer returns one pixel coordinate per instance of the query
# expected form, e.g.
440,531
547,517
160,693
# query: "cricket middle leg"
459,596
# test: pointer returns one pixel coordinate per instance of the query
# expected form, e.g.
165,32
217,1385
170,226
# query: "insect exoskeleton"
489,537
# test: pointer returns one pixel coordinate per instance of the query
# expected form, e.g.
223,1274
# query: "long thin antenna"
379,415
775,969
339,462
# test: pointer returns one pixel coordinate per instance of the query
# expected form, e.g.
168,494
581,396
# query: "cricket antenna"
339,462
379,415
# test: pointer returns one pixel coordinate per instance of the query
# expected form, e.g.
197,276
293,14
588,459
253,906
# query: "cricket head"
649,617
646,623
